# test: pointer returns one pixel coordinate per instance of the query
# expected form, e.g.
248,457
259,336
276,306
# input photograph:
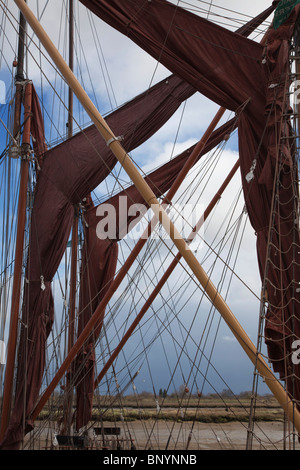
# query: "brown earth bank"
207,424
209,409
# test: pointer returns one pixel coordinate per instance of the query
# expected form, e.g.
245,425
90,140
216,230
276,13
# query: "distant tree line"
163,393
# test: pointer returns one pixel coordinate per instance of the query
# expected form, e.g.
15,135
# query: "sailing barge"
58,211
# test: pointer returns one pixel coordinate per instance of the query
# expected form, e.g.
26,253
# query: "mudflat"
164,435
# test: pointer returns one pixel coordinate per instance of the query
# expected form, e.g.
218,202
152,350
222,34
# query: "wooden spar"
73,281
12,340
75,221
13,331
19,78
159,212
73,277
71,64
165,276
71,326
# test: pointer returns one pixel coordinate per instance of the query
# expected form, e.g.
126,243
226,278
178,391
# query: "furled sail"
37,130
254,76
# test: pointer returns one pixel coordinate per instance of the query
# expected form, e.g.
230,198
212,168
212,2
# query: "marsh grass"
211,409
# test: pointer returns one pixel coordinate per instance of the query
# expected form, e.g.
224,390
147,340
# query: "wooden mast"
73,277
23,152
71,65
149,197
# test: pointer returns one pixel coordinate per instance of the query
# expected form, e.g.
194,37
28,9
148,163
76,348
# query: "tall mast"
19,77
71,65
72,299
21,86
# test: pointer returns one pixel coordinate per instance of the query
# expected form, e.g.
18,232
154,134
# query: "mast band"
113,139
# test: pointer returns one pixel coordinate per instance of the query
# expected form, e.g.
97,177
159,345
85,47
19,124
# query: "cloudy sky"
114,70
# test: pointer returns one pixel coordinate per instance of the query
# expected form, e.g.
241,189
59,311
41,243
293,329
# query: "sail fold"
189,46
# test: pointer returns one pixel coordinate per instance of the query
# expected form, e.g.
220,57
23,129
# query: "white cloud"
229,339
